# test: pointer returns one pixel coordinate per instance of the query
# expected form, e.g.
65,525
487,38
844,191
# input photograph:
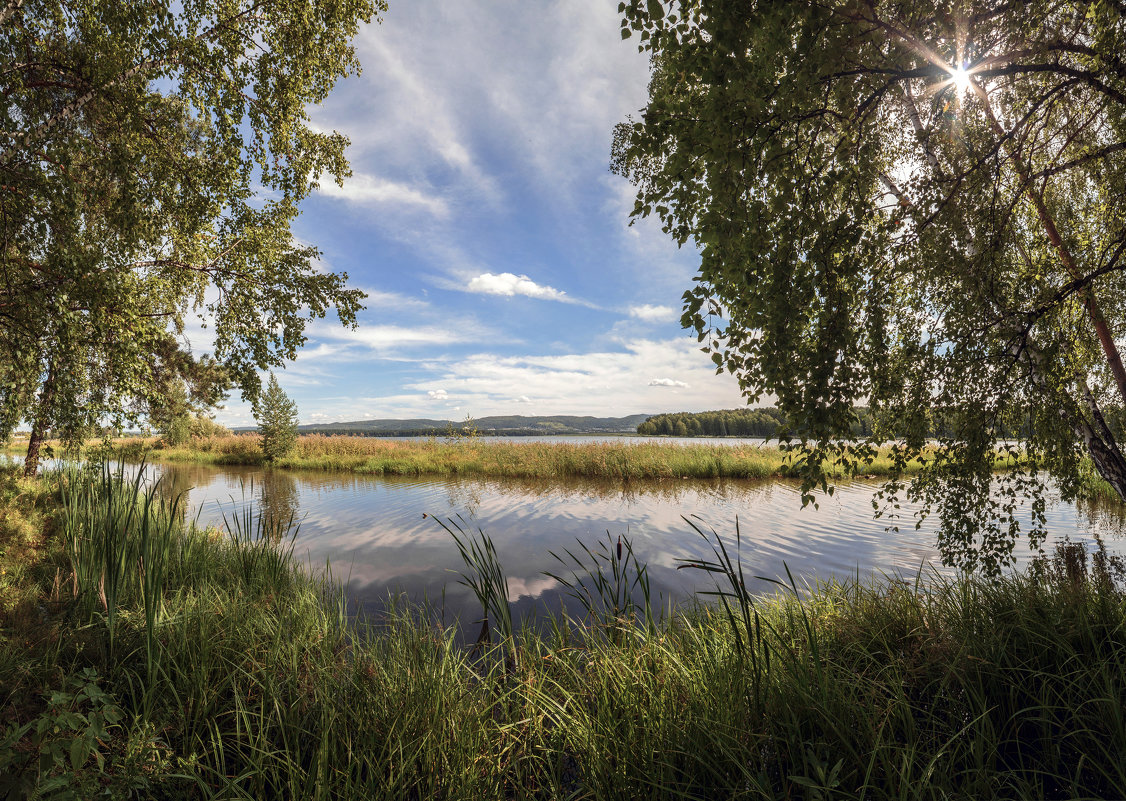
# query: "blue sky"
483,223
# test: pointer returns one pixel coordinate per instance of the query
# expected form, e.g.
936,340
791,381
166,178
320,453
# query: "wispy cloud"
611,382
368,189
392,300
340,343
604,382
473,109
385,337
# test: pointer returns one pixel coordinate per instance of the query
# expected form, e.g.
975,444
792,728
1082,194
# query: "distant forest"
731,423
501,425
766,422
721,423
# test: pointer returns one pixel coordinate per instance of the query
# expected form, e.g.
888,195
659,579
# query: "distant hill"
497,424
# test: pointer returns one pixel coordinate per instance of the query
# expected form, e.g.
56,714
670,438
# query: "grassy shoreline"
224,671
489,458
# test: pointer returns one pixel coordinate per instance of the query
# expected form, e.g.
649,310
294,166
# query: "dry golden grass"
486,457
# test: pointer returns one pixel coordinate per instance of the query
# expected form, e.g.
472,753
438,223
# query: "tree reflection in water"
379,535
274,496
1106,516
278,500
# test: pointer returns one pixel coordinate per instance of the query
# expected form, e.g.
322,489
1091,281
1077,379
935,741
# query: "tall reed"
626,459
118,532
486,578
610,584
257,685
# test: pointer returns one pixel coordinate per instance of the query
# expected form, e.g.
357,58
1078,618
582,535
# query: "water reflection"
1105,517
380,537
278,500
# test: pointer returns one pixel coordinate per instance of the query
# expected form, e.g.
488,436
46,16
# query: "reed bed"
229,672
492,458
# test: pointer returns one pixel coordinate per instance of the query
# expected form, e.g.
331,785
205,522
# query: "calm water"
379,535
628,439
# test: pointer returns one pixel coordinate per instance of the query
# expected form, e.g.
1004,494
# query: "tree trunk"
1104,451
1096,437
39,426
1048,223
1110,464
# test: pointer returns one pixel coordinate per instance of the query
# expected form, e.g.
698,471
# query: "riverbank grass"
481,456
159,661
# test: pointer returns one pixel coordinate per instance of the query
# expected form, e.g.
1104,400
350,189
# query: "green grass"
225,671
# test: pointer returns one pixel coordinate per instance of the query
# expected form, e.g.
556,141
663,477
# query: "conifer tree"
276,414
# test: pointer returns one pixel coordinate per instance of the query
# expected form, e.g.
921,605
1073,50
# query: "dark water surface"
380,537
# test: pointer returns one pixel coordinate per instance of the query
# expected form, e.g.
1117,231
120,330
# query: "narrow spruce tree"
276,414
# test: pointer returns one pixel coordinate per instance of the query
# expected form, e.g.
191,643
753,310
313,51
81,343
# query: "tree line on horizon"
763,422
719,423
768,422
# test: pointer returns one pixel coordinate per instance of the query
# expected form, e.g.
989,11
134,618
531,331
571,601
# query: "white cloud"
408,112
653,314
322,352
614,381
608,382
508,284
380,337
523,399
368,189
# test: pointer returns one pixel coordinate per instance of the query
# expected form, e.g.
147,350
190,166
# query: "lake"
380,537
617,439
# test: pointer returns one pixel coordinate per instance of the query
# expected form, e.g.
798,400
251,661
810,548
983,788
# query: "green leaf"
122,229
79,750
770,140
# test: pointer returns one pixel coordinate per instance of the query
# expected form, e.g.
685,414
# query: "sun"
961,79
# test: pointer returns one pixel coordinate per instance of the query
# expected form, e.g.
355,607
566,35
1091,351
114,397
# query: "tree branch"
9,10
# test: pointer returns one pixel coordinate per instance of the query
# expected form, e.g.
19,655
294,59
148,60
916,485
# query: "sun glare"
961,79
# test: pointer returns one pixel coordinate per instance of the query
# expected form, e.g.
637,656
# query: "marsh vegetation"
145,656
482,456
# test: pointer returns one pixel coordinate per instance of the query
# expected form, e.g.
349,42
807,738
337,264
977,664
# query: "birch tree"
916,206
152,159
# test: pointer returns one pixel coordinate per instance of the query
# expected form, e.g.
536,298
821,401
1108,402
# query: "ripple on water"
379,534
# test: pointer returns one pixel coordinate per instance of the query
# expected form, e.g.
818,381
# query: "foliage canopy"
152,159
918,207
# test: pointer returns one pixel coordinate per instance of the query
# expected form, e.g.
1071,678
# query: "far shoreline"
488,457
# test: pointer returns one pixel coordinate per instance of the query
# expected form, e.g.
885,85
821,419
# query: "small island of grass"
486,457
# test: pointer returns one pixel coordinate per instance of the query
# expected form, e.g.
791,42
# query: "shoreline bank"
485,458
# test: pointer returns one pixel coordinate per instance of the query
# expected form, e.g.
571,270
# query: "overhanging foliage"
920,207
152,159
